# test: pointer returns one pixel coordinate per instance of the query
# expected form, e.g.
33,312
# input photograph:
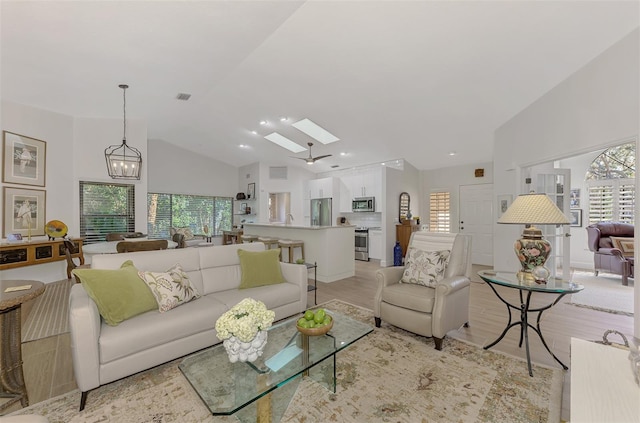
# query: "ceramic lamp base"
532,251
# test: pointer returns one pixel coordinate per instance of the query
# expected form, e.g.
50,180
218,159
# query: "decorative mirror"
405,202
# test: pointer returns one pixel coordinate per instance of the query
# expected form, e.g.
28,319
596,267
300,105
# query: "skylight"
315,131
284,142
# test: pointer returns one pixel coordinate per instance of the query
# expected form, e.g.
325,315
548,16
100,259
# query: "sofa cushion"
623,244
425,267
171,288
411,296
259,268
118,294
152,329
272,296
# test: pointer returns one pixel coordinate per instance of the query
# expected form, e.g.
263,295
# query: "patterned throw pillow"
623,244
186,232
171,288
425,267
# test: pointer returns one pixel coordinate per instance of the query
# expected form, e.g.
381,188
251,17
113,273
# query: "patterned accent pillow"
425,267
171,288
186,232
623,244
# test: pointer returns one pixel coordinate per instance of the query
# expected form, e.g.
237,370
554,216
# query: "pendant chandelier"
123,162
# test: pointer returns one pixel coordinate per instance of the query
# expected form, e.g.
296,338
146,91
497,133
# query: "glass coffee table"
261,391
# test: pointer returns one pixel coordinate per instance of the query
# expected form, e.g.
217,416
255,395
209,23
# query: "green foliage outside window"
187,211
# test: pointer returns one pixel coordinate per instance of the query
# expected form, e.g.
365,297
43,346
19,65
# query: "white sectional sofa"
103,353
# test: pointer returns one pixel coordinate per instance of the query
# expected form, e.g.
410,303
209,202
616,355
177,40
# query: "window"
439,212
611,185
105,208
187,211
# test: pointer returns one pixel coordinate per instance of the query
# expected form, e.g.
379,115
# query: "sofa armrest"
385,277
612,252
84,325
297,274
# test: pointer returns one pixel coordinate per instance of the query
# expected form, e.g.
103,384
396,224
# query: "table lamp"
531,249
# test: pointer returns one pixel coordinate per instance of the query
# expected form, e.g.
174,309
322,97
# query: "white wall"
294,184
450,179
174,170
594,107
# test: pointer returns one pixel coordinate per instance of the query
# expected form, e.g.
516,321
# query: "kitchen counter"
331,247
294,226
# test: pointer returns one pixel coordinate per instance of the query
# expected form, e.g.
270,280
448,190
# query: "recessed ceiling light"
263,122
243,146
284,119
315,131
254,132
343,154
453,153
284,142
382,163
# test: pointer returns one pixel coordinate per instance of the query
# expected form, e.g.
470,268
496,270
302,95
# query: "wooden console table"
404,232
37,252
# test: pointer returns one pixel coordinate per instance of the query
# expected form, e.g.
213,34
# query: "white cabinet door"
321,188
375,244
345,194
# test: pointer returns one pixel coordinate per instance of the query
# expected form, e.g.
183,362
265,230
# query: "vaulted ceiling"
391,79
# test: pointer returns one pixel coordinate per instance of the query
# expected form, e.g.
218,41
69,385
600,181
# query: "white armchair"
426,311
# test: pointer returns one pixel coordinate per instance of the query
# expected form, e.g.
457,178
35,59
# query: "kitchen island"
331,247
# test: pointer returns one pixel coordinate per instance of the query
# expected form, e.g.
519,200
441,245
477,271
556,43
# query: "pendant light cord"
124,112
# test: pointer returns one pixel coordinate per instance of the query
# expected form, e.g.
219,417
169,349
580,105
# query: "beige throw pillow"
623,244
171,288
425,267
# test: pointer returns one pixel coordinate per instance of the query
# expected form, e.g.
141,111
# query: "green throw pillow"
119,294
260,268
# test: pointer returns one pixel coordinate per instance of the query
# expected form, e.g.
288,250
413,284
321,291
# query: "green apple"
308,315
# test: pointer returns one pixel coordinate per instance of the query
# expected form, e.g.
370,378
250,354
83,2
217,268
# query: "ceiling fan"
311,160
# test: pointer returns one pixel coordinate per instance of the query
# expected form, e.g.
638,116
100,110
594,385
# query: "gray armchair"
426,311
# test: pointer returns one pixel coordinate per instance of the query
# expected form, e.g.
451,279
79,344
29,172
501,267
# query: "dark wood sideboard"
25,253
403,233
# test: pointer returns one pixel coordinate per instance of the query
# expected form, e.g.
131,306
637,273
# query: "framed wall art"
504,201
575,198
251,190
575,218
24,160
24,211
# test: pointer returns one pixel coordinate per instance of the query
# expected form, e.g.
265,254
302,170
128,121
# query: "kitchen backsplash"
366,219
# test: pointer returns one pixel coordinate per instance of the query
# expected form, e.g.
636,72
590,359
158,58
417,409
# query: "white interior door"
476,219
556,183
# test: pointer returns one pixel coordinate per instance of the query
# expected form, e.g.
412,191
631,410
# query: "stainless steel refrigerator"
321,212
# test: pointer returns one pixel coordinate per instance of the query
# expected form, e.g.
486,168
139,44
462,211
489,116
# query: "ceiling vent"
334,166
183,96
277,172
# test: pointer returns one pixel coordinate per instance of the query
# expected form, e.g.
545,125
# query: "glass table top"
227,387
510,279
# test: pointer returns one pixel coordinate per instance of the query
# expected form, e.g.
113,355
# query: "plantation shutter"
611,200
439,212
105,208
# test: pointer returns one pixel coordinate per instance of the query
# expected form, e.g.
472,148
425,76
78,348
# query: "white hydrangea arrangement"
244,320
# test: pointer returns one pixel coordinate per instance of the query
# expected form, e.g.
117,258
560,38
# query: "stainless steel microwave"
364,204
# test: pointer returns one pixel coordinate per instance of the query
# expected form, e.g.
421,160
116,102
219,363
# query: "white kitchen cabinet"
365,183
322,188
375,244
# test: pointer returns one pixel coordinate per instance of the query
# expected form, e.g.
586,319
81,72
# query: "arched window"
611,183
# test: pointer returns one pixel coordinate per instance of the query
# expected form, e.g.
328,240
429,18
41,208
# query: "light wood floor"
48,369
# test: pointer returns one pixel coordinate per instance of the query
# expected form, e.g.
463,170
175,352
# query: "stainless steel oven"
362,244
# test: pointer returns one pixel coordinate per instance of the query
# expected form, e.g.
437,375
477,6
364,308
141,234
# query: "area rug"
604,293
388,376
49,315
